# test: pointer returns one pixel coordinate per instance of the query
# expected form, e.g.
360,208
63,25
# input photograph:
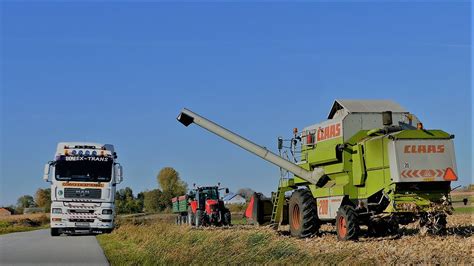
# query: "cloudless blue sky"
120,73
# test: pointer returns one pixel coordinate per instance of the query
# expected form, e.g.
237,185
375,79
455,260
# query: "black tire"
55,232
191,218
199,218
440,227
177,220
184,219
347,224
383,228
303,215
433,223
227,218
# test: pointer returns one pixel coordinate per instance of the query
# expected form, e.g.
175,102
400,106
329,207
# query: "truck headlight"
56,211
107,211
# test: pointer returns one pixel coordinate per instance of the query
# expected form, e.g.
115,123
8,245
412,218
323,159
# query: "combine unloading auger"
187,117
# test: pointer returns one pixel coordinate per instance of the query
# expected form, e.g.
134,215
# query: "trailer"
370,163
180,207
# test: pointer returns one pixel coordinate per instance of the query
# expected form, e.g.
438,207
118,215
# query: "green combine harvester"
371,163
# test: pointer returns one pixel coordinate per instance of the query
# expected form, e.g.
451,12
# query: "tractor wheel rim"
341,224
296,217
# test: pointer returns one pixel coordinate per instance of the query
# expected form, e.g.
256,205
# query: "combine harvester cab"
371,163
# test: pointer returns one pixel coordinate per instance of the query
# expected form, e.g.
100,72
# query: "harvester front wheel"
303,216
347,226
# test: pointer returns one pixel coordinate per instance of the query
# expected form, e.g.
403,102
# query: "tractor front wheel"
199,218
227,218
303,216
347,226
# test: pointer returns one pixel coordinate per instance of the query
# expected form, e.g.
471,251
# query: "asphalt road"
39,248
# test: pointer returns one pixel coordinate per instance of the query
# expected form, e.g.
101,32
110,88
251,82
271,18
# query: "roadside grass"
23,222
159,241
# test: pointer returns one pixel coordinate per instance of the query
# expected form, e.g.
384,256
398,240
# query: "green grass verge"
467,209
19,228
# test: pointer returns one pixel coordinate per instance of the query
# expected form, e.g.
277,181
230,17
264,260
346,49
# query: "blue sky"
120,73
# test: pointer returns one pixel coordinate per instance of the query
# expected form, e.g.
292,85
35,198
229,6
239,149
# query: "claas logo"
329,132
424,149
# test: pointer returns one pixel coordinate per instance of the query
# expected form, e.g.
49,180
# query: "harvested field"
23,222
156,241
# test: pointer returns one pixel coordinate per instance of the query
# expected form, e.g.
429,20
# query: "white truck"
83,179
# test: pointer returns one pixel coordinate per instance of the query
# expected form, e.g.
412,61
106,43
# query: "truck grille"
82,220
86,193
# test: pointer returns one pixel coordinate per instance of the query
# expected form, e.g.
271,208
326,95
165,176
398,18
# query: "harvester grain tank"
370,163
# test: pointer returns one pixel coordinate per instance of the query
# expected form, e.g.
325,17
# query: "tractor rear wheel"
347,225
303,214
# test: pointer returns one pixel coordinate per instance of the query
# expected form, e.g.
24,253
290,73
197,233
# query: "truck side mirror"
46,172
227,191
118,171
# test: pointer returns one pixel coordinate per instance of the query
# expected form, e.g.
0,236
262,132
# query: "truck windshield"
83,170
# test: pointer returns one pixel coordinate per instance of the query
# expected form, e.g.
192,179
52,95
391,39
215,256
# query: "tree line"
149,201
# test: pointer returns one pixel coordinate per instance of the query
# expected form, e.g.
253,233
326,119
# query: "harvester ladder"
278,202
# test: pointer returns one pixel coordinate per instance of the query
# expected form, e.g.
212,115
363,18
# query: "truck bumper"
83,217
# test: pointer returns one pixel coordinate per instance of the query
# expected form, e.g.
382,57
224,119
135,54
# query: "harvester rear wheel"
303,216
433,223
347,226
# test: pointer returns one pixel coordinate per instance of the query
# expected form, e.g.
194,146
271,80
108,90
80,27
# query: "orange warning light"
449,175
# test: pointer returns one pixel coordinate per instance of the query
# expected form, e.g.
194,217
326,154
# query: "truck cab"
83,179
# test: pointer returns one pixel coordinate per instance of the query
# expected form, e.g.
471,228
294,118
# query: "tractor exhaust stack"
187,117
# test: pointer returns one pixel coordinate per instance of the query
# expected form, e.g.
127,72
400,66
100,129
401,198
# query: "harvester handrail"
186,117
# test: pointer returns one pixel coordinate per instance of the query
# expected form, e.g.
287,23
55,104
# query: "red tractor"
207,208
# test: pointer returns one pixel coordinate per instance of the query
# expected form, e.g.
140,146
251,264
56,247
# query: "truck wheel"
303,214
347,226
177,220
55,232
